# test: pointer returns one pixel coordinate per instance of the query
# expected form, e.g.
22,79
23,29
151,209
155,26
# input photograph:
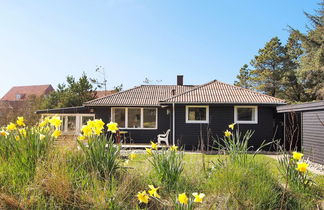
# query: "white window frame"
78,122
197,121
142,117
255,121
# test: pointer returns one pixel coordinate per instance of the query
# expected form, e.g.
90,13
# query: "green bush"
20,151
102,156
246,187
168,167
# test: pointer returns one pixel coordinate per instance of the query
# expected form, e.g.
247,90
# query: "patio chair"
164,137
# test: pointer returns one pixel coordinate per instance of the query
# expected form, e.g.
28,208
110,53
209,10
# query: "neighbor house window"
197,114
135,118
246,114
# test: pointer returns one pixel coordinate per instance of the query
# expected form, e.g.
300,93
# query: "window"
85,119
246,114
135,118
149,120
118,116
197,114
71,123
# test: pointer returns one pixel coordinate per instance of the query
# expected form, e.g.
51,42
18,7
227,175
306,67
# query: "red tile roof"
144,95
222,93
102,93
21,93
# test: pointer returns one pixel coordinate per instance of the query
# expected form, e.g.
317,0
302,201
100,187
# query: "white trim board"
255,121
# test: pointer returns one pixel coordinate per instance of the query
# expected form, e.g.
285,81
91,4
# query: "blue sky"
41,42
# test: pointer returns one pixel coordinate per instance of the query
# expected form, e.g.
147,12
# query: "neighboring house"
305,124
21,100
195,113
102,93
22,93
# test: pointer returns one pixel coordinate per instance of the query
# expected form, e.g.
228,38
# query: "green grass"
63,181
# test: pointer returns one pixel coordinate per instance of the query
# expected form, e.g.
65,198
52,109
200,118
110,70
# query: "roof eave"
181,102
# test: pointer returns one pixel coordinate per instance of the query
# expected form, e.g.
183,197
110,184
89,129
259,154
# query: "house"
304,124
20,100
195,113
21,93
102,93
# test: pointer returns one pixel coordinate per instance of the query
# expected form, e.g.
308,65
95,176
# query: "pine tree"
311,71
244,78
74,93
269,68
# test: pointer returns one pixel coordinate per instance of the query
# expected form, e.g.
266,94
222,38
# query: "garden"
37,174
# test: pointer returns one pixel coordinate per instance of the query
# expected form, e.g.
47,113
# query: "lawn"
36,174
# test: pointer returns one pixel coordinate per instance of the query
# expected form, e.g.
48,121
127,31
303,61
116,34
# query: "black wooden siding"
313,135
220,116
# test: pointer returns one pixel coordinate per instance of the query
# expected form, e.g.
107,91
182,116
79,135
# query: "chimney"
180,80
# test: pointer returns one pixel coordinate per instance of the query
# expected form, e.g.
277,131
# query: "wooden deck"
140,146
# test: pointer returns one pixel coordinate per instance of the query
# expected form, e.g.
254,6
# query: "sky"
42,41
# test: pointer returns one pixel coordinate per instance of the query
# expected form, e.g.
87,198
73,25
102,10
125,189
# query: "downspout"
173,124
284,131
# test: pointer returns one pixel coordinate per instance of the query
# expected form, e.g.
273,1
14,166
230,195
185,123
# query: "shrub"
21,148
245,187
102,156
168,166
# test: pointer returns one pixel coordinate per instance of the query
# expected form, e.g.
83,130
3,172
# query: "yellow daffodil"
227,133
4,133
97,131
231,126
154,145
198,197
91,123
132,156
17,138
153,191
142,197
43,123
41,136
302,167
148,151
20,121
11,127
99,124
86,129
297,155
182,198
55,121
56,133
174,148
23,132
81,137
112,127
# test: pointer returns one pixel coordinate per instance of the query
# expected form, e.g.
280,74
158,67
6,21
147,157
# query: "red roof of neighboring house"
21,93
102,93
